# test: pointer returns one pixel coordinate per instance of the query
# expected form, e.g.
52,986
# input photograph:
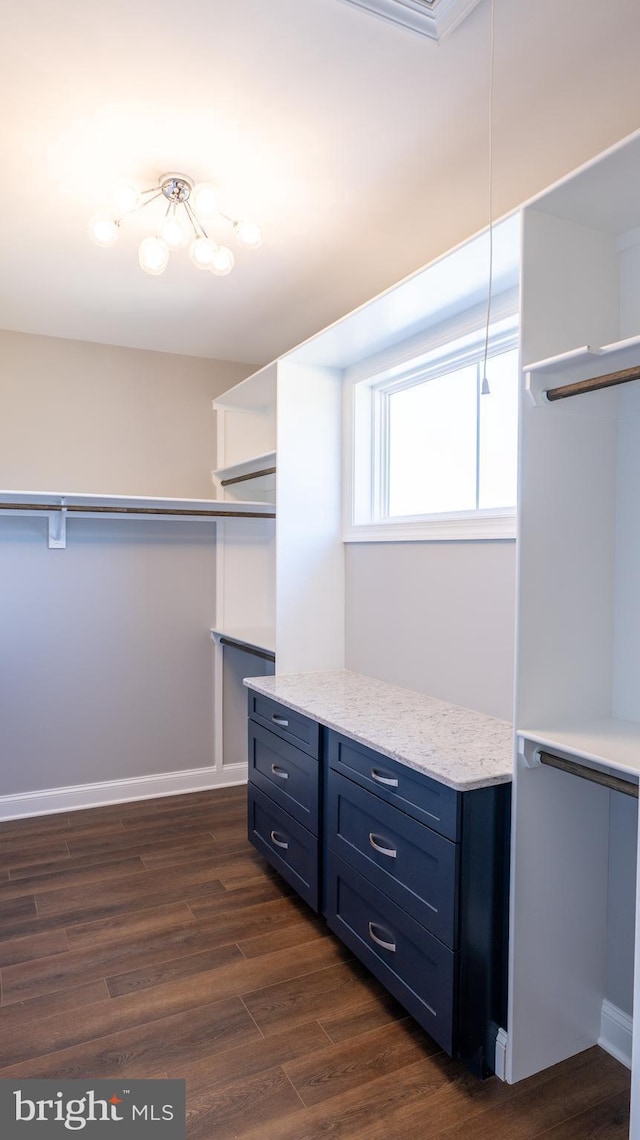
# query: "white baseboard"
616,1033
502,1042
120,791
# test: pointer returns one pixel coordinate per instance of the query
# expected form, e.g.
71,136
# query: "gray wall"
89,417
435,616
106,661
623,836
238,664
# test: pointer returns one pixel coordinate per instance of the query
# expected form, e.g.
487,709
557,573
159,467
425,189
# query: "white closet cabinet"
280,581
578,655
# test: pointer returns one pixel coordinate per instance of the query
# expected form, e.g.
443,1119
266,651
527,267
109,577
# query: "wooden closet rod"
627,787
172,511
607,381
263,653
252,475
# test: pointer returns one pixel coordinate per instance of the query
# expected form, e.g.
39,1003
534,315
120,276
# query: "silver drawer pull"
279,842
381,941
280,720
378,844
389,781
279,772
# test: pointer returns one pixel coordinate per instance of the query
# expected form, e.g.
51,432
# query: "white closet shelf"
566,363
81,502
254,637
247,468
255,393
581,364
611,742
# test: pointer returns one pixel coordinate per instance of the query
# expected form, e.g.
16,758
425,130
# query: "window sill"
479,527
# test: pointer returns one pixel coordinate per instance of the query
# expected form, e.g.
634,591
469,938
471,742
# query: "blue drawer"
289,776
413,865
413,965
414,793
291,726
288,846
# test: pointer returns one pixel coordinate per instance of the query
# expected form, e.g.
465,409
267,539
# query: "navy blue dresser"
285,793
411,874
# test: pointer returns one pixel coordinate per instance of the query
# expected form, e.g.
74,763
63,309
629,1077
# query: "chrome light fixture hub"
176,188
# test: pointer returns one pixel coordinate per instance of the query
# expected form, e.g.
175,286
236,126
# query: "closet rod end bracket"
529,752
58,527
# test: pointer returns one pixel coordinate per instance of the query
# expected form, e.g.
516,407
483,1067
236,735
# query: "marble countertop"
457,746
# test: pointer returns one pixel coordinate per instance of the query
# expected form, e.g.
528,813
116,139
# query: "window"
431,455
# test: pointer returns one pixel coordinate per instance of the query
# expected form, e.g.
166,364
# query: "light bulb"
153,255
173,233
126,198
103,230
204,200
249,234
223,261
202,252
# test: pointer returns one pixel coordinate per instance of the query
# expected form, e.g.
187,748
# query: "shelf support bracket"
58,527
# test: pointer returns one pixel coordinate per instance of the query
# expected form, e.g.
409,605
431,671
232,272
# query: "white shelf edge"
245,467
620,345
576,355
54,499
553,363
615,744
585,363
258,637
242,396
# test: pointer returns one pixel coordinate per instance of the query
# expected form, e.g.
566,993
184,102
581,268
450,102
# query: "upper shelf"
571,364
256,391
584,363
141,505
614,743
253,468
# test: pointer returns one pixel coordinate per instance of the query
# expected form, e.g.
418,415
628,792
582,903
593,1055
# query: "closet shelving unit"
246,426
246,438
578,651
256,467
279,584
244,629
59,506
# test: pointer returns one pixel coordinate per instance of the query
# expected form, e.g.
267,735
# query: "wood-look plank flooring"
150,940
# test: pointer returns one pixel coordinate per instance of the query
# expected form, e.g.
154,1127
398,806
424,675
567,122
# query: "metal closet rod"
172,511
615,783
609,380
253,649
244,478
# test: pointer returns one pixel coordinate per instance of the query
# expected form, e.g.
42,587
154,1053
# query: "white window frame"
366,397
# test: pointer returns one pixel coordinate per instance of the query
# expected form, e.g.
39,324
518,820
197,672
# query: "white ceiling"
360,147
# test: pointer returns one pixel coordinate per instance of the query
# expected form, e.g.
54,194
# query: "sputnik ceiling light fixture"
186,204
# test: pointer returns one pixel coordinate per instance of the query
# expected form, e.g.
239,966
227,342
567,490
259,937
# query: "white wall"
106,658
435,616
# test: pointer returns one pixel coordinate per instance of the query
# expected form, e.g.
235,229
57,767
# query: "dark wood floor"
149,940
